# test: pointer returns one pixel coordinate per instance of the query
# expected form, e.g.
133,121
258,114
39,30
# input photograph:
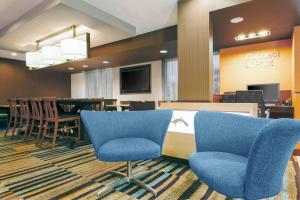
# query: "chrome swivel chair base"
129,178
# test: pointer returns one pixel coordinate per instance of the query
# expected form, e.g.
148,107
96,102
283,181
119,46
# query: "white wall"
78,84
156,84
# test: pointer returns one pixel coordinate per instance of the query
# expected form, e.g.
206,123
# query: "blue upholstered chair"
127,137
243,157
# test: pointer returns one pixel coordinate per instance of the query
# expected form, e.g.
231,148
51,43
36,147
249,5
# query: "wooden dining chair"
59,122
13,116
37,118
24,115
109,102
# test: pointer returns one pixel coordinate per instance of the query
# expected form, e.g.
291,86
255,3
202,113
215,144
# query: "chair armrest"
269,156
224,132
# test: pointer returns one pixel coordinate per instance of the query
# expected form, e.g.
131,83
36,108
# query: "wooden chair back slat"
51,113
37,108
24,107
13,107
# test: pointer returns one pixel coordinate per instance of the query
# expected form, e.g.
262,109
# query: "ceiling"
107,21
19,33
23,38
145,15
13,9
24,22
278,16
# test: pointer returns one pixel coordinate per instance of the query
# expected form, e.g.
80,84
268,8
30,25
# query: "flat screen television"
270,91
135,79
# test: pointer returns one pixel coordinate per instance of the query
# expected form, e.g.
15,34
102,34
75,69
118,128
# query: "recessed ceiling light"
105,62
14,54
85,66
236,20
163,51
71,68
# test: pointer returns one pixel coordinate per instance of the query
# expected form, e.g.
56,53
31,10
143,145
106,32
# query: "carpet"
28,172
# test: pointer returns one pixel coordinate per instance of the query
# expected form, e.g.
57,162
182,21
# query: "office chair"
253,96
127,137
243,157
140,105
228,98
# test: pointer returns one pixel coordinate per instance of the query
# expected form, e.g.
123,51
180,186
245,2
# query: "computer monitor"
270,91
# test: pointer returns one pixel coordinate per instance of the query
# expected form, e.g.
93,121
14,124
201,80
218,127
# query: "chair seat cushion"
128,149
223,172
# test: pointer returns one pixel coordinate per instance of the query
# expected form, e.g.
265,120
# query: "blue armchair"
243,157
127,137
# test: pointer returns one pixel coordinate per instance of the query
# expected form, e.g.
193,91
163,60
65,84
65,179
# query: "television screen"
270,91
135,79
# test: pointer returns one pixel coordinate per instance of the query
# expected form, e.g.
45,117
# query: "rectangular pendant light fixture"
58,48
253,35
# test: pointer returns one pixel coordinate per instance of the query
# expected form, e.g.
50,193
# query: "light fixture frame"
70,28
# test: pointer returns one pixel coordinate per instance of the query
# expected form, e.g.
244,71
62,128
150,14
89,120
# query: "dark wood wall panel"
17,81
141,48
155,38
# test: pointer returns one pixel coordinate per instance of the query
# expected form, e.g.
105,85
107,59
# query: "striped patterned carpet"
27,172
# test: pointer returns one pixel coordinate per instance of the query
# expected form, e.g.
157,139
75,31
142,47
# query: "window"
216,66
99,83
170,79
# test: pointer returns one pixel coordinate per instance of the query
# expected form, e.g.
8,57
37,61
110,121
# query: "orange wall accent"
260,63
296,71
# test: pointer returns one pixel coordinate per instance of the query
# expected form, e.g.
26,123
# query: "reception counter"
180,139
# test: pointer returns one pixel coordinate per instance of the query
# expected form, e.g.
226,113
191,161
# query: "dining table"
71,106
